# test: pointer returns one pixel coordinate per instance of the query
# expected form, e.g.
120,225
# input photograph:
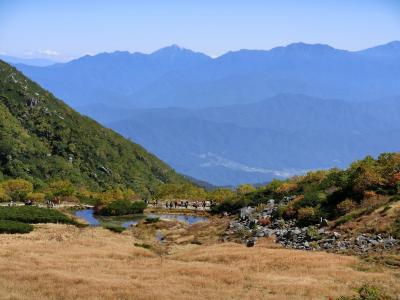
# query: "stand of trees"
319,194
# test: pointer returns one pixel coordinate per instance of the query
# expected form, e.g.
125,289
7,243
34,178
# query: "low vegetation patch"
231,205
396,228
355,214
122,207
313,234
8,226
151,220
33,215
367,292
114,228
143,245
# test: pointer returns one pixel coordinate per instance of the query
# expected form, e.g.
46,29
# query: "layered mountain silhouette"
246,116
175,76
280,136
112,77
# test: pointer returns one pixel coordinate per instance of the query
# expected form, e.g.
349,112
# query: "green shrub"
313,234
229,205
196,242
142,245
122,207
17,189
114,228
395,231
370,292
354,214
279,212
138,207
32,214
367,292
289,212
395,197
344,219
3,195
312,199
152,219
8,226
307,216
346,206
85,199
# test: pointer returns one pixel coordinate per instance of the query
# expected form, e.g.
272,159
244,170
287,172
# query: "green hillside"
42,139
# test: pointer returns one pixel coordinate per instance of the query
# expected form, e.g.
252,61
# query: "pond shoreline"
89,217
176,211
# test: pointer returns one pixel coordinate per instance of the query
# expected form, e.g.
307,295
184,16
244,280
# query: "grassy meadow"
57,261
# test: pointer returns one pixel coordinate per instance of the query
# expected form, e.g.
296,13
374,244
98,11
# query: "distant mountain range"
246,116
112,77
175,76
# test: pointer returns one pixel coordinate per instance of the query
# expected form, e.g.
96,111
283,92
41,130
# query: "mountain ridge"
172,75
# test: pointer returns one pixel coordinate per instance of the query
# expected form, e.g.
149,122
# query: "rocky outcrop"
253,224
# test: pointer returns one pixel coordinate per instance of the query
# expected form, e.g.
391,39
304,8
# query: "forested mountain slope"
41,138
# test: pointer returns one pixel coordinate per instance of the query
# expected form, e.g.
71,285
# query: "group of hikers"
184,204
168,204
50,203
26,202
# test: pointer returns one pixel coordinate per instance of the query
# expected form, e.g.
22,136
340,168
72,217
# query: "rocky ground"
253,224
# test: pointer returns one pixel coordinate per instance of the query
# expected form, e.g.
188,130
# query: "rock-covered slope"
41,138
356,210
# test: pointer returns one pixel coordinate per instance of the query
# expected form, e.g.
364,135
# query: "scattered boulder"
246,213
32,102
250,243
105,170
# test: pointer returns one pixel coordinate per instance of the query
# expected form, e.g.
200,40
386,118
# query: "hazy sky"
64,29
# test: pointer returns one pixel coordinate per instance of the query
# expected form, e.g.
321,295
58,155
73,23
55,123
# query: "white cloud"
48,52
43,53
213,160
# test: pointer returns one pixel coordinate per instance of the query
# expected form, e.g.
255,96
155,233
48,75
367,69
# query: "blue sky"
64,29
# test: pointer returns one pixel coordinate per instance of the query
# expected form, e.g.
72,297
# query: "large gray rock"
246,212
296,231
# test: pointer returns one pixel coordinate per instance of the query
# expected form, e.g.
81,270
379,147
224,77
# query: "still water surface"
126,221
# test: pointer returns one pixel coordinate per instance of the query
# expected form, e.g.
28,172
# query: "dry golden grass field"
66,262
